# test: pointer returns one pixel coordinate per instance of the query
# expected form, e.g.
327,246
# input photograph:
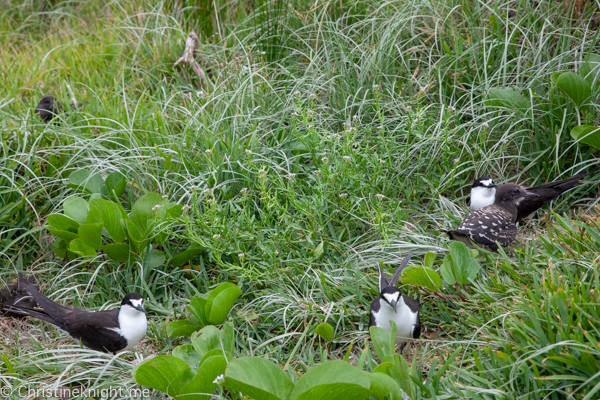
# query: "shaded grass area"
311,113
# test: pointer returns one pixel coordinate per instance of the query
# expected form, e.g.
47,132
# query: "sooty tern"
108,330
392,305
496,222
483,193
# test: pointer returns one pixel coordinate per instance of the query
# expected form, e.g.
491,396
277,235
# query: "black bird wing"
415,307
489,225
546,192
95,329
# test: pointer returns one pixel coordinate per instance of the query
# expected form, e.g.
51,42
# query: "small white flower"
423,89
206,191
208,151
216,236
219,379
200,93
262,53
456,160
310,126
313,96
310,112
503,141
325,160
291,176
156,207
408,108
451,108
294,114
297,93
262,172
380,127
375,86
347,158
248,151
337,136
193,187
355,118
343,195
381,161
317,172
276,252
165,197
185,208
244,190
241,255
212,201
485,125
380,196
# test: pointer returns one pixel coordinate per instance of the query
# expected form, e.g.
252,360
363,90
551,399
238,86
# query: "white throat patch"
132,324
482,197
392,296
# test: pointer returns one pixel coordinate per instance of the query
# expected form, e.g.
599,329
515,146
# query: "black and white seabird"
107,331
483,193
496,222
392,305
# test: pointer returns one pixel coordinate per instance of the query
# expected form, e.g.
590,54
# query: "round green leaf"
325,331
576,87
202,386
112,214
118,251
76,208
62,223
258,378
220,301
187,353
142,211
422,276
181,328
384,387
587,134
332,380
164,373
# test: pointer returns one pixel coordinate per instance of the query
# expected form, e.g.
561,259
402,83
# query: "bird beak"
492,185
393,304
141,308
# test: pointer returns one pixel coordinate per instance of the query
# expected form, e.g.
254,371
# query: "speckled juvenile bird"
17,293
48,108
496,222
483,193
392,305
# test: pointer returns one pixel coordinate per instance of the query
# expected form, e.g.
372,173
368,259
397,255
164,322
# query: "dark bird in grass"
392,305
17,293
107,331
48,108
483,193
495,223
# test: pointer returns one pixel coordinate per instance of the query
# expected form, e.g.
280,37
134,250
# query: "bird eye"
516,191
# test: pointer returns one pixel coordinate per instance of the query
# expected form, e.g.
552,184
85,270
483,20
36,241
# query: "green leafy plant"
423,275
460,265
211,308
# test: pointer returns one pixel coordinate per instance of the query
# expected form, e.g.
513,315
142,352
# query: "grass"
312,111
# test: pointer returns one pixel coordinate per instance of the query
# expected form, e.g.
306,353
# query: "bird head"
135,301
391,295
515,194
484,182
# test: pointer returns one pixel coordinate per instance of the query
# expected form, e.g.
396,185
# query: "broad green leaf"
174,210
446,271
142,211
133,234
76,208
587,134
186,255
220,301
59,247
554,78
429,259
332,380
206,339
217,352
258,378
384,387
91,235
78,247
421,276
203,382
197,308
118,251
381,341
62,223
384,368
164,373
94,216
157,259
576,87
181,327
506,98
116,182
112,214
68,236
87,181
187,353
590,69
325,331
